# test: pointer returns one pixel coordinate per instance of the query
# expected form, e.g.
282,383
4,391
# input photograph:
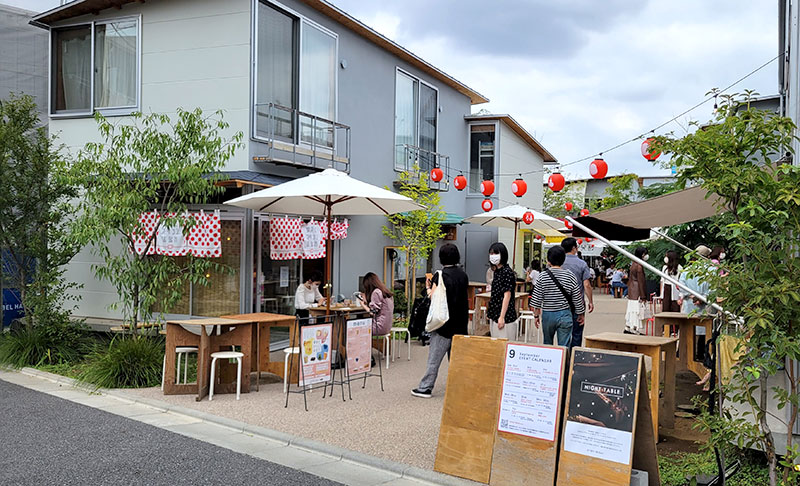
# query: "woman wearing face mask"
669,293
500,310
637,293
307,294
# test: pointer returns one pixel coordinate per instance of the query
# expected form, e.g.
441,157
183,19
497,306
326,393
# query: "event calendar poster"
359,346
602,404
316,353
529,401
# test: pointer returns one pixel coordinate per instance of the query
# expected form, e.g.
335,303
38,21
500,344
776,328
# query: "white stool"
387,346
288,352
526,318
180,351
226,355
399,330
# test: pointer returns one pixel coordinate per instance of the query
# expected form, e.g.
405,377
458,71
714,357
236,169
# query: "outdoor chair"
180,351
226,355
400,330
387,345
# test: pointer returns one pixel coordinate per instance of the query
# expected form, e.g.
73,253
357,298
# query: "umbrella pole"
328,262
514,252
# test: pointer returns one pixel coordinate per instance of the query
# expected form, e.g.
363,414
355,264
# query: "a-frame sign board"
528,427
471,406
607,430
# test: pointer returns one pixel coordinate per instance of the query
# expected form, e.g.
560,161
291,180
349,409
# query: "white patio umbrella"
511,217
327,193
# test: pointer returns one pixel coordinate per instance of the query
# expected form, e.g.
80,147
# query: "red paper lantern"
519,187
584,212
648,151
580,241
568,206
460,182
556,182
567,224
487,188
588,239
527,217
598,168
592,245
486,205
538,237
437,174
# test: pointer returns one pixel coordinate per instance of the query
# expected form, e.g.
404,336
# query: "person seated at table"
616,281
308,294
379,301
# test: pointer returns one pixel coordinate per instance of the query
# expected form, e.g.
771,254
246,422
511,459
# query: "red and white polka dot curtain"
203,239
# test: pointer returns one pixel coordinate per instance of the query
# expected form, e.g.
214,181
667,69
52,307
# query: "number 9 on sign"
511,353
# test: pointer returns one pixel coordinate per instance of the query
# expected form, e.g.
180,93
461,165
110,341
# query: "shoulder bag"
438,313
561,288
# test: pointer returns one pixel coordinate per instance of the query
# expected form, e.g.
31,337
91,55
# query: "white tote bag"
438,313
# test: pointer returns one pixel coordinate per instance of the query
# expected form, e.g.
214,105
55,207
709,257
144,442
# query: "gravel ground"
392,424
48,440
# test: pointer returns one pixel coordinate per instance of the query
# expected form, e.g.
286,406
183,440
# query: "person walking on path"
637,293
583,274
556,297
501,311
669,293
456,283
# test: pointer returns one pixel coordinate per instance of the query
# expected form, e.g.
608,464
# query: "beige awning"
633,221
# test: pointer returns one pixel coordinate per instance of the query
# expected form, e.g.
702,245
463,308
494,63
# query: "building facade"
308,85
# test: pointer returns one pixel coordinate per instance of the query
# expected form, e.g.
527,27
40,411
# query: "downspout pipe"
646,265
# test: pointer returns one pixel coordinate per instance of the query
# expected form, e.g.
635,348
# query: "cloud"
584,76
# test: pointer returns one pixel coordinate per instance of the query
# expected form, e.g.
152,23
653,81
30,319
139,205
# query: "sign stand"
530,415
607,431
313,339
356,336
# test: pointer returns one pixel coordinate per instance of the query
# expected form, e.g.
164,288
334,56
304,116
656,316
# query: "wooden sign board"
471,407
530,414
607,431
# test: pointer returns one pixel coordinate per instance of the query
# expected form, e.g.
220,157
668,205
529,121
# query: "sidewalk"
330,462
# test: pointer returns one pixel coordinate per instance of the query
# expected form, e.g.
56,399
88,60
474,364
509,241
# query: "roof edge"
548,158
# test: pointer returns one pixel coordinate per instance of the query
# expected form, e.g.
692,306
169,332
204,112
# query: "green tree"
622,190
732,158
150,162
416,231
34,209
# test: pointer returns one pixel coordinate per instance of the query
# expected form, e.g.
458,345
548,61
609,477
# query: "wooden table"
234,332
479,328
687,337
651,346
264,322
474,288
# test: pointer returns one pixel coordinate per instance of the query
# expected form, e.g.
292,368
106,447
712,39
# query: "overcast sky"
583,75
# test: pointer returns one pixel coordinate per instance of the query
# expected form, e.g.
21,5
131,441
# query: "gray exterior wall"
23,57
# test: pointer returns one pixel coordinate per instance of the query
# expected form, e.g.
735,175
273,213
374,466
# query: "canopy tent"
512,217
633,221
327,193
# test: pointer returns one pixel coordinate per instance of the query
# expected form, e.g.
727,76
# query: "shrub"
677,467
127,362
52,344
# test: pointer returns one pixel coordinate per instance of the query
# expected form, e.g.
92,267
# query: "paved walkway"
54,433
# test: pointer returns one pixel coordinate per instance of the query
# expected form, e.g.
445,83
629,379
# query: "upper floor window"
415,122
95,66
481,155
295,78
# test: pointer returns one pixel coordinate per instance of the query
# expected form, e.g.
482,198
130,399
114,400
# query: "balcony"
407,156
301,139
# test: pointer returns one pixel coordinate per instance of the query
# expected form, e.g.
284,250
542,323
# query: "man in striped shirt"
556,296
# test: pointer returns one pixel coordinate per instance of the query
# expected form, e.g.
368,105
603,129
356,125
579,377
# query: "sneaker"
421,393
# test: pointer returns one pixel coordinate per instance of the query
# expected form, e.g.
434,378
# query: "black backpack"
419,316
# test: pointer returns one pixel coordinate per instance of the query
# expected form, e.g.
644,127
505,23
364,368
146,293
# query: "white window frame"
303,22
109,111
399,71
496,124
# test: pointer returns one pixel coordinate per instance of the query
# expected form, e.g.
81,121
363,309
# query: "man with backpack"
583,274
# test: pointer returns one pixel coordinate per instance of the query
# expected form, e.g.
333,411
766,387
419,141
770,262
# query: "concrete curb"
339,453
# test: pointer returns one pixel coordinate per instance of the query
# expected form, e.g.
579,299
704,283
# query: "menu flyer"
600,413
532,380
315,353
359,346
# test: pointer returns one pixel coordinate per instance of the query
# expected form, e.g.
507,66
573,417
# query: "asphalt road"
48,440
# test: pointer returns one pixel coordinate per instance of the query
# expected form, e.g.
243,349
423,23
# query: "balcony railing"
408,156
297,138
